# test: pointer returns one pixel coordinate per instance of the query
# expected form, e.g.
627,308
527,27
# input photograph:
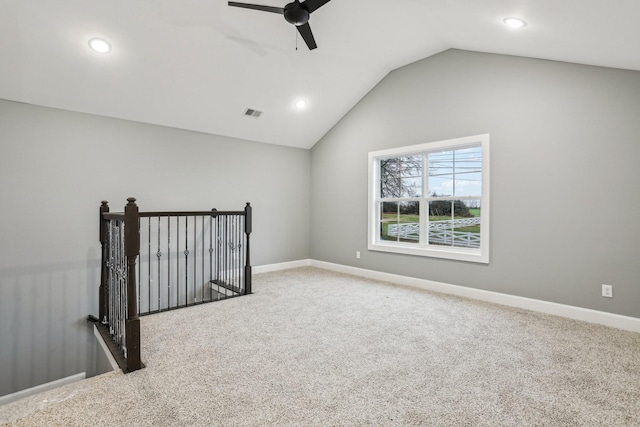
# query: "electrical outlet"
358,254
607,291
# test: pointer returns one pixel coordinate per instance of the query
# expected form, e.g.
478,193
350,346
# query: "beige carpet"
312,347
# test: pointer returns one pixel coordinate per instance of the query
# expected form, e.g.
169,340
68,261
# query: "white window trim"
480,255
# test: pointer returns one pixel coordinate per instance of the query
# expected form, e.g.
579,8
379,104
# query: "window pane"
466,229
401,177
411,187
409,222
441,173
389,221
411,166
455,223
440,222
468,172
400,221
456,173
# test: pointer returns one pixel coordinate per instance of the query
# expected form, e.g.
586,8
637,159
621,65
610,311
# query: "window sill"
457,254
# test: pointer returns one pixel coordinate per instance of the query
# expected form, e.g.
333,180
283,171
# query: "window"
431,199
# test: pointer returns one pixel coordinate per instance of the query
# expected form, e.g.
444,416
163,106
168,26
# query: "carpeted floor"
312,347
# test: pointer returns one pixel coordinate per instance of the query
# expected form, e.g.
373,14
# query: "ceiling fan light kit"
295,13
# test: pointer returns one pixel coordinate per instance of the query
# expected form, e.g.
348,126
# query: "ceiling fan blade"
307,35
272,9
312,5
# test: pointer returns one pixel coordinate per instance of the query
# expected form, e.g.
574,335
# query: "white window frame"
481,254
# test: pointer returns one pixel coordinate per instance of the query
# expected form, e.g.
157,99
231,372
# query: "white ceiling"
198,64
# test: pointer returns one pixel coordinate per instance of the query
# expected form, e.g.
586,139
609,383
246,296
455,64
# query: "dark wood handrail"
113,215
190,213
120,215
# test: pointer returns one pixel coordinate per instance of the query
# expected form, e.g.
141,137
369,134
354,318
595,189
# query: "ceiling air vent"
252,113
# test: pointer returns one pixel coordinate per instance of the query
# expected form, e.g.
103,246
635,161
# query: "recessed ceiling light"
515,22
100,45
300,104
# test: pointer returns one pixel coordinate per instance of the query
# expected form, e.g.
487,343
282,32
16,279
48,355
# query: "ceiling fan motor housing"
295,14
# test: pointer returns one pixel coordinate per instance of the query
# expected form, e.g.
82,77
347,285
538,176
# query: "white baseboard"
593,316
8,398
281,266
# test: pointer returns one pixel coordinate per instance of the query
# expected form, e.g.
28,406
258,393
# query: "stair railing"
120,243
205,257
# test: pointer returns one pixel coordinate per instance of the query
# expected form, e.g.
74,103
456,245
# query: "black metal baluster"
220,269
112,280
139,268
202,277
107,320
218,254
234,220
239,254
186,266
116,284
225,252
229,253
177,261
234,259
230,249
221,253
122,302
236,227
111,287
159,255
120,280
195,258
123,288
168,262
210,258
149,266
229,280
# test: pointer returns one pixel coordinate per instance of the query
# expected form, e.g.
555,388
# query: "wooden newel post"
132,249
103,309
247,231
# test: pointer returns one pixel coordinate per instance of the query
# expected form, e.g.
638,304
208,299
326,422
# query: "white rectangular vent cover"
252,113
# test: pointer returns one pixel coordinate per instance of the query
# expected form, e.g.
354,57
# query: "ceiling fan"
295,13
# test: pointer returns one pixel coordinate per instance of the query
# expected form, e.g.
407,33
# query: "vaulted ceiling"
199,64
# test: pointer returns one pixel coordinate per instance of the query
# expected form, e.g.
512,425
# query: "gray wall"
565,153
55,168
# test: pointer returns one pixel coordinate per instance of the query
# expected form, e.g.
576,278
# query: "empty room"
322,213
